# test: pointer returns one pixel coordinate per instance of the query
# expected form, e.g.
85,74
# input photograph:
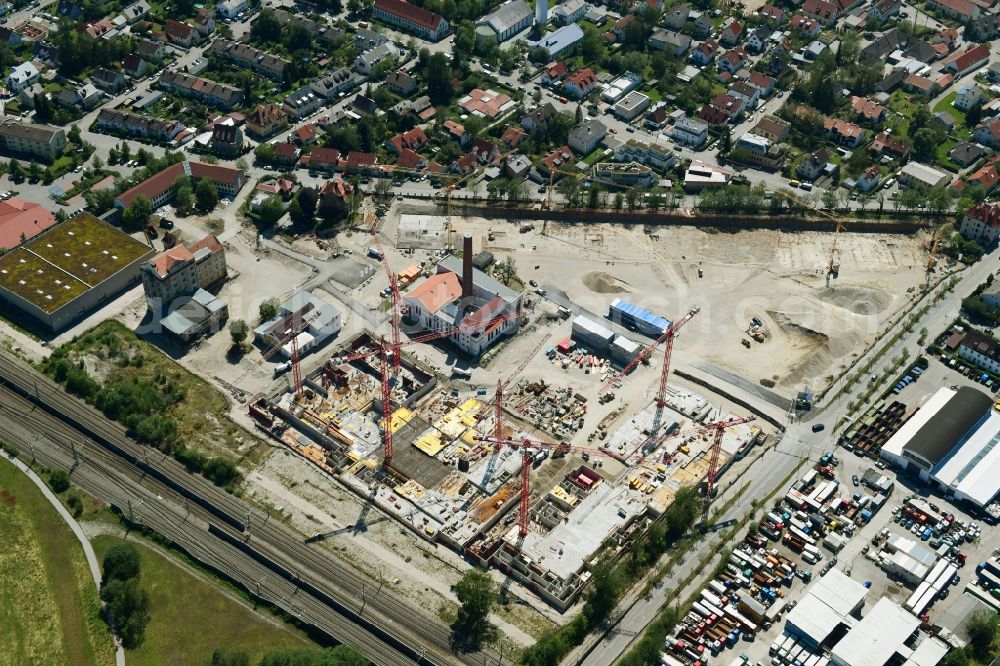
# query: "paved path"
88,550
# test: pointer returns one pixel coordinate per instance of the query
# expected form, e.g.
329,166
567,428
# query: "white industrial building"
832,604
952,441
464,297
620,87
316,320
888,634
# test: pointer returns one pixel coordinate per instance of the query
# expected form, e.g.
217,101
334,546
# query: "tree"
129,606
507,270
305,209
383,189
138,213
15,170
579,113
267,28
982,629
184,198
633,197
74,134
242,164
264,153
121,563
59,481
227,657
726,142
569,190
270,211
925,143
268,310
126,151
973,115
206,196
437,76
97,164
477,594
238,331
221,471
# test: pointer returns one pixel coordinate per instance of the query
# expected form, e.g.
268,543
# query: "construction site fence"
784,222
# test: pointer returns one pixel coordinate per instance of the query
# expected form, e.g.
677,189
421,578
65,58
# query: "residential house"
843,133
335,194
920,85
516,165
763,82
674,43
134,66
401,83
465,164
805,26
335,84
759,39
204,22
457,132
9,37
731,34
586,136
556,161
136,11
960,10
369,60
324,159
107,80
732,60
746,92
631,106
982,29
305,135
485,103
821,10
251,58
968,96
773,129
773,15
677,16
134,124
619,27
150,50
206,90
302,102
563,39
993,72
889,145
704,53
988,133
554,73
539,117
511,137
814,165
484,150
266,120
883,10
230,9
981,223
22,76
227,140
690,132
414,139
580,84
411,18
86,96
869,111
965,154
656,118
286,155
986,177
180,33
973,58
652,155
759,151
569,11
869,180
892,80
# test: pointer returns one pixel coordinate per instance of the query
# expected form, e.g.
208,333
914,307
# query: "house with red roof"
805,26
179,33
159,188
843,133
21,221
821,10
465,164
334,194
410,160
870,111
986,178
485,150
358,162
961,10
731,34
704,53
970,59
773,14
414,139
411,18
456,131
581,84
556,161
988,132
732,60
324,159
554,73
887,144
981,223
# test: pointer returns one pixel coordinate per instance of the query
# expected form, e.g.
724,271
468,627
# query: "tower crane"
667,339
373,226
932,255
297,325
833,265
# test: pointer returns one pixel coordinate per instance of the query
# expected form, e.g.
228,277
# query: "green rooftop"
87,248
67,260
38,281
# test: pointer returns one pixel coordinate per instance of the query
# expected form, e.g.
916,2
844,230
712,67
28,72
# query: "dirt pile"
605,283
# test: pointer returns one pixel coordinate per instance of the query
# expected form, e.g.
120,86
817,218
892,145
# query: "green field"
50,612
191,616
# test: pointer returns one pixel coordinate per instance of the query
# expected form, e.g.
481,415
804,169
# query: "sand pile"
604,283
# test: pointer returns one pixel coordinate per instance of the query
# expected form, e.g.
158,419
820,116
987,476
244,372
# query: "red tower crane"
297,325
373,227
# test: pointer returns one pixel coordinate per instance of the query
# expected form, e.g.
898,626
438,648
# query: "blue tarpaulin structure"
636,318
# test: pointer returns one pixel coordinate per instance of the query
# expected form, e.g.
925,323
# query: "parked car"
819,427
855,480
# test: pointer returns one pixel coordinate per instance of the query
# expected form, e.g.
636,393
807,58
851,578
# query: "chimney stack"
467,290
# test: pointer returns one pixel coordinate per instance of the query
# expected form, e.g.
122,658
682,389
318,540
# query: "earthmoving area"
811,329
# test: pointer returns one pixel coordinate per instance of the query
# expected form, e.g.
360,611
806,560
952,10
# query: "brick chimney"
467,289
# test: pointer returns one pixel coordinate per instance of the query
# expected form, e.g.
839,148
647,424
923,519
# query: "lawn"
191,615
50,612
200,416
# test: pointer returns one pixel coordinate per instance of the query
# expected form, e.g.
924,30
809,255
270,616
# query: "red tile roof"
164,180
972,56
324,156
437,291
405,10
988,214
19,217
987,177
165,261
409,159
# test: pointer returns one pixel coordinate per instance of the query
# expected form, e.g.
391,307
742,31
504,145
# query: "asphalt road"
321,591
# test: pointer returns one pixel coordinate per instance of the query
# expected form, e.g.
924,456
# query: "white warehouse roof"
972,468
874,640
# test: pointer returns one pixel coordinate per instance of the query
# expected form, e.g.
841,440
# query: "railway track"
218,528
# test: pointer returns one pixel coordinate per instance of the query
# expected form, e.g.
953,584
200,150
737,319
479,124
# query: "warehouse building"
592,336
508,20
316,320
637,319
67,271
888,635
952,442
461,296
828,612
